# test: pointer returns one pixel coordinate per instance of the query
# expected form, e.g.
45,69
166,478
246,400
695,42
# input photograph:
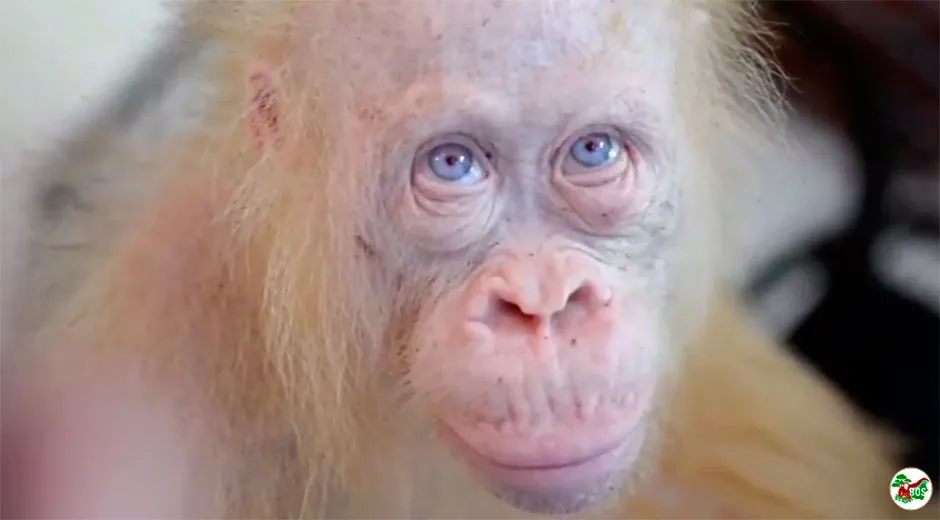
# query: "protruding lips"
556,460
559,449
585,452
561,461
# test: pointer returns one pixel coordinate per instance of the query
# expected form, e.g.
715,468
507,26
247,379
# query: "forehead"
385,46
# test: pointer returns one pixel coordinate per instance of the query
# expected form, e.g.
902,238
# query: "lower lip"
595,466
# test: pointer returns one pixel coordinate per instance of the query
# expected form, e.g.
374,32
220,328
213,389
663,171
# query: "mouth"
566,464
559,478
551,464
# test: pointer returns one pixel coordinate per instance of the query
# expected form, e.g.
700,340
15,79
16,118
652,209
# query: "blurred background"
838,253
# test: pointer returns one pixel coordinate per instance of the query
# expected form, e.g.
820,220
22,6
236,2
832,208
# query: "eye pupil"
591,146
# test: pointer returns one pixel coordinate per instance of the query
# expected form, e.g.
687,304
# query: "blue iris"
451,162
594,150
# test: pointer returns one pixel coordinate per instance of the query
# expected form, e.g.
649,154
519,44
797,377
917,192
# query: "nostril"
589,293
580,304
507,311
507,307
583,295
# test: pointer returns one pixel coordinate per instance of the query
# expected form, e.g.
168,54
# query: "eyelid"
611,130
479,153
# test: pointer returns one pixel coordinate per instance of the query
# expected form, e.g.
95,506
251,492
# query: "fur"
268,284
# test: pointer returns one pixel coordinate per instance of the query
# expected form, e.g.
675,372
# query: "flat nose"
549,293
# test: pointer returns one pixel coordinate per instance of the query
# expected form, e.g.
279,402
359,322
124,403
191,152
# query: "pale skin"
458,275
539,364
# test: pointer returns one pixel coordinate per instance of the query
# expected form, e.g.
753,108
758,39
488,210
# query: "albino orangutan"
437,259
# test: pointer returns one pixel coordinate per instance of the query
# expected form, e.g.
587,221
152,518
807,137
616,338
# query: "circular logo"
911,489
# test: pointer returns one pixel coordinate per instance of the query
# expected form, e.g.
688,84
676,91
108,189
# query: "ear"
264,117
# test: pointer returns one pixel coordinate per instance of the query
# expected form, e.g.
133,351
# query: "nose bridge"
521,174
557,281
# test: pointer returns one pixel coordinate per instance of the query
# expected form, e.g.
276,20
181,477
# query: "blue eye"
453,163
593,150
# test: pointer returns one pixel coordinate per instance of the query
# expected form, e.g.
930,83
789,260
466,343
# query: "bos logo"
911,489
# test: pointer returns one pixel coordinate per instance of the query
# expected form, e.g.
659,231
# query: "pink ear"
264,113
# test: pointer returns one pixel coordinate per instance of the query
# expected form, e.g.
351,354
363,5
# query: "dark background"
871,68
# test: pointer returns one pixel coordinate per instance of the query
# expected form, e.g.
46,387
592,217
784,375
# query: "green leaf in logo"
902,477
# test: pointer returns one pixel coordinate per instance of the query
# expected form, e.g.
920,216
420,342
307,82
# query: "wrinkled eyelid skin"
437,215
606,201
625,163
